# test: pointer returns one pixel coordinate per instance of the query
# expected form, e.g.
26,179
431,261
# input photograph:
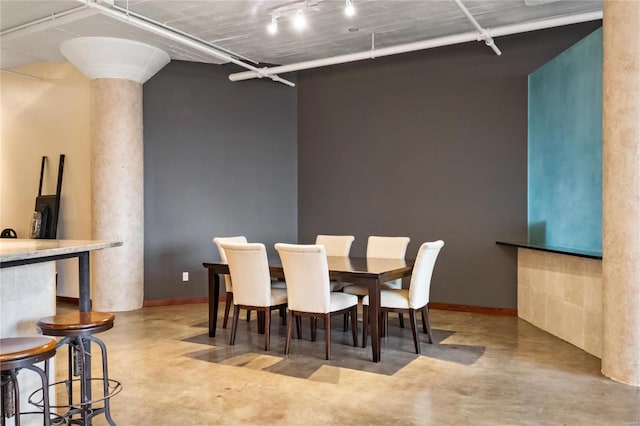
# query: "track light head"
349,8
299,22
272,28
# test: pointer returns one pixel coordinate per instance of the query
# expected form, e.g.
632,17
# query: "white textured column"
117,69
621,191
117,193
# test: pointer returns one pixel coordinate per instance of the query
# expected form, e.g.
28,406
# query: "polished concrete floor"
481,370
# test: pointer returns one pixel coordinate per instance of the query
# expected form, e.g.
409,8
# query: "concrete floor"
481,370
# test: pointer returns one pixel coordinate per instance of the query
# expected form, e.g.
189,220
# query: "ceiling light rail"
483,34
422,45
180,38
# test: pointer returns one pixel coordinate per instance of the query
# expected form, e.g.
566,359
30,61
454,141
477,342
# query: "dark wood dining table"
367,272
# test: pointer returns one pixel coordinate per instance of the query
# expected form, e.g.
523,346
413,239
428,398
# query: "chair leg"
386,324
283,315
267,328
248,315
365,325
227,308
383,323
314,326
401,318
234,325
414,326
425,323
287,341
299,326
327,335
345,321
354,325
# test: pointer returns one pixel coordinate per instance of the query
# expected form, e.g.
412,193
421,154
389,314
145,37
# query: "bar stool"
17,353
77,329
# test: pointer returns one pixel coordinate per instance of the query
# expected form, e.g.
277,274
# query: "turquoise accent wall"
565,148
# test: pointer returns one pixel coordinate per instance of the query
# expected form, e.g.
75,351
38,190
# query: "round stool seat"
76,323
15,352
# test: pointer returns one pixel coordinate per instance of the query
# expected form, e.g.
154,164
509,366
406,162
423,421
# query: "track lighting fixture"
296,13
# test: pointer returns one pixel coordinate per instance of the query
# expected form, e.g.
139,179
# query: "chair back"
223,257
249,268
422,270
307,275
388,248
336,245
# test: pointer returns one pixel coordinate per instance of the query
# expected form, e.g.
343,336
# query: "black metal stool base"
77,329
82,411
73,414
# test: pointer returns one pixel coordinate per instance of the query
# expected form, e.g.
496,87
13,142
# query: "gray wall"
430,145
219,160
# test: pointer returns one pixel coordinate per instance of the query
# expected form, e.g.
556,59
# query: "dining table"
363,271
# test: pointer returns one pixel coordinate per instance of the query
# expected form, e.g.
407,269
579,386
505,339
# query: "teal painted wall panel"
565,148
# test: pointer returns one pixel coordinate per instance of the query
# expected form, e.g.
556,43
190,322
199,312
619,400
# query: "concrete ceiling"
239,26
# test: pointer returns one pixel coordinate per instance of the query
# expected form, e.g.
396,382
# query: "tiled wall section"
562,295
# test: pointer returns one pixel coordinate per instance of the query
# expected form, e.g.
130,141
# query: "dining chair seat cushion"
278,296
336,285
340,301
357,290
397,299
278,284
361,291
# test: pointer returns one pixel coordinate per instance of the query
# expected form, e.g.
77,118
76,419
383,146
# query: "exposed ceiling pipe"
175,30
59,18
189,42
483,34
23,75
421,45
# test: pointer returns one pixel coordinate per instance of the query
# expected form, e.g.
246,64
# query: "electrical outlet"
185,276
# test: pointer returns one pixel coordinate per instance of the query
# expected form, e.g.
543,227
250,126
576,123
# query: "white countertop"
20,249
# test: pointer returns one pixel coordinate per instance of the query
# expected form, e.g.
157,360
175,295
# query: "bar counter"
27,279
28,289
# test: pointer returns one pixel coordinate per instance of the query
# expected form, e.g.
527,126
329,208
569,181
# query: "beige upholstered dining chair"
307,275
382,248
336,245
227,278
249,269
416,298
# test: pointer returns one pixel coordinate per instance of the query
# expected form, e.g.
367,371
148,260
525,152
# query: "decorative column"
117,69
621,191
